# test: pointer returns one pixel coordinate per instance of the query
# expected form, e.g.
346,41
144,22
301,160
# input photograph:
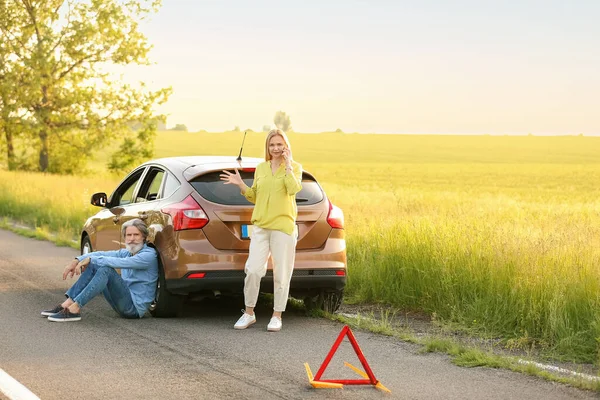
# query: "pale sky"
429,66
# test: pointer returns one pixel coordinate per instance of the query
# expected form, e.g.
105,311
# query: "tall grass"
526,271
496,235
58,204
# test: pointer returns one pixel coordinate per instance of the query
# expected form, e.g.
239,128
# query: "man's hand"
82,266
75,268
70,269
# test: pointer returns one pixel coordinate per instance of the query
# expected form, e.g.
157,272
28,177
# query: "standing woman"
276,182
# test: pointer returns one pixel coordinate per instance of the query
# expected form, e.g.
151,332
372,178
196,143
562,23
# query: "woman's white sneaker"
245,321
274,325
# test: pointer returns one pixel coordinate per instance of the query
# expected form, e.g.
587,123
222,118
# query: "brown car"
201,228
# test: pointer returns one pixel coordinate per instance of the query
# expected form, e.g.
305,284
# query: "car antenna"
239,159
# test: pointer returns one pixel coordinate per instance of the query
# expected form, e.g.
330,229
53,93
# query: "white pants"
280,246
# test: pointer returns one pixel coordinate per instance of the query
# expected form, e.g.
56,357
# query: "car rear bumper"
196,254
303,280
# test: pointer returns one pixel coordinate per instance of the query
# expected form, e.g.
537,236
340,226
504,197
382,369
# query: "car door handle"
143,215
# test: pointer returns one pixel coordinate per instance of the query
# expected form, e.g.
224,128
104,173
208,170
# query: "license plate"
247,231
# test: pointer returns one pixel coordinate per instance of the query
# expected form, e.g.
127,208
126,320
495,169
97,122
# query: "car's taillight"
335,218
187,215
197,275
340,272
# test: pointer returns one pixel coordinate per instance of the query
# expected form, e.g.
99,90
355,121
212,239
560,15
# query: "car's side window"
170,186
150,189
124,193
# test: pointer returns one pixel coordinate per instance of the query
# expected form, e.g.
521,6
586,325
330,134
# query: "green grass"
64,240
496,236
460,354
57,204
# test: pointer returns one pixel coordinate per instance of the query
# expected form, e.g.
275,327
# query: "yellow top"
274,196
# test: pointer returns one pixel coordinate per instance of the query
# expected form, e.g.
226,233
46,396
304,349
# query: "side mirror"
99,199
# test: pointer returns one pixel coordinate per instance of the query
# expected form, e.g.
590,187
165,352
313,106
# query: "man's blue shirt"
139,271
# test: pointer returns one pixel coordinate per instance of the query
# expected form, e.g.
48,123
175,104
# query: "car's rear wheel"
86,245
165,304
328,301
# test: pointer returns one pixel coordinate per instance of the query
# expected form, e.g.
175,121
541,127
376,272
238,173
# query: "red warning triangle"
369,373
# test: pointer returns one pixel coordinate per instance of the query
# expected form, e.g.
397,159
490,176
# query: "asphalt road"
201,356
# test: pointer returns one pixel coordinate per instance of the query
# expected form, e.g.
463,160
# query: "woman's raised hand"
287,156
229,178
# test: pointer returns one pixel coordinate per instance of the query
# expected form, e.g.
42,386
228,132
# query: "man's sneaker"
245,321
274,325
65,316
56,309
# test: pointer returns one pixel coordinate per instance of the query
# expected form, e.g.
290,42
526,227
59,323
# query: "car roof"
191,166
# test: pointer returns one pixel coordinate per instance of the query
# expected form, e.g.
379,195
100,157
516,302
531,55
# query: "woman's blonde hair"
275,132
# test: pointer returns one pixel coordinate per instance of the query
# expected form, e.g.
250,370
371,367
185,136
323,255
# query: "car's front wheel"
165,304
328,301
86,245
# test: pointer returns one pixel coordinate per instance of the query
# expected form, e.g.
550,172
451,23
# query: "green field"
496,235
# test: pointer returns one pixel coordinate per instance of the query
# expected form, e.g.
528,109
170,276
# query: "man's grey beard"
134,248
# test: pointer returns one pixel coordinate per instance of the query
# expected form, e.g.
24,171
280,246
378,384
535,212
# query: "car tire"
328,301
165,304
86,245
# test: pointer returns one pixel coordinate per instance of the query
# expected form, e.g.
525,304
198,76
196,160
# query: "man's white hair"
139,224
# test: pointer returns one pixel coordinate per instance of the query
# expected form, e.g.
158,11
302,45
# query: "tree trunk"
43,120
44,151
8,134
10,149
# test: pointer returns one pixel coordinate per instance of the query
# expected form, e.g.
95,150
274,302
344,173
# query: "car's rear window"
213,189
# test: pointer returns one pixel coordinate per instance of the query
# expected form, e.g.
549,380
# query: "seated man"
129,294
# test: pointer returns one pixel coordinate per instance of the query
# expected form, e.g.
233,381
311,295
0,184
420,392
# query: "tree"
180,127
6,107
12,75
266,128
282,121
65,100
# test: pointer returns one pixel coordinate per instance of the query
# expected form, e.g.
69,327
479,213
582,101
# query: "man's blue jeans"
107,281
